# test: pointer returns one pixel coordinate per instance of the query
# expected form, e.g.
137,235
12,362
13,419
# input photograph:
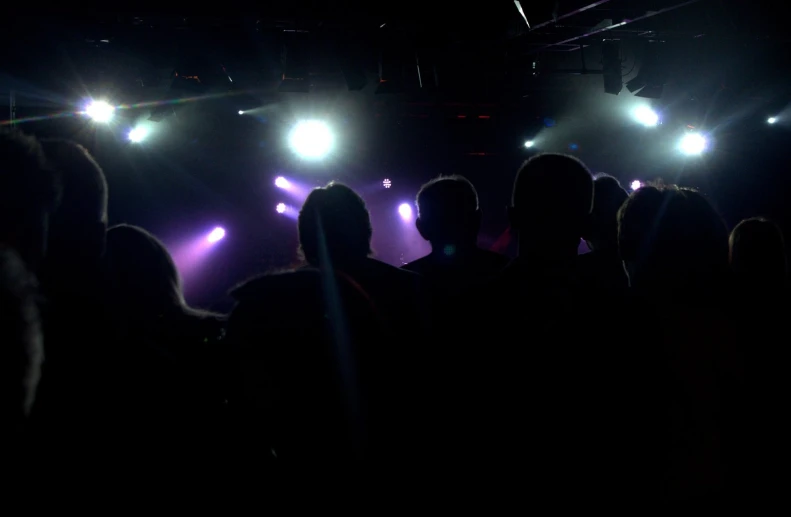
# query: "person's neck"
556,251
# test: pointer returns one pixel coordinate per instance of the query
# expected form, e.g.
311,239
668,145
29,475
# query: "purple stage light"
405,211
281,208
387,183
636,184
281,182
216,235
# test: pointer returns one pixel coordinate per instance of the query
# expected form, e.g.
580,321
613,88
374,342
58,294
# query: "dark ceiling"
486,50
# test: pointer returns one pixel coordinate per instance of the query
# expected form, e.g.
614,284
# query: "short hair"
448,206
334,217
445,194
558,188
141,270
757,248
669,231
84,183
608,196
25,180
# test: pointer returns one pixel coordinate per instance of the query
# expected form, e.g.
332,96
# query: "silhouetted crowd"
649,372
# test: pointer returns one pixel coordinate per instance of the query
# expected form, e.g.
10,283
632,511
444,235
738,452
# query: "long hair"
142,276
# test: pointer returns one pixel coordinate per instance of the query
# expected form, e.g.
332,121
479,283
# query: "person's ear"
421,228
513,217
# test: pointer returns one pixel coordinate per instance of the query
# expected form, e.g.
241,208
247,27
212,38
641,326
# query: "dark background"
487,84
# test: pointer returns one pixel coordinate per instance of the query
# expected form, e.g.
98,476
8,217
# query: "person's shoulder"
492,258
266,285
380,268
417,266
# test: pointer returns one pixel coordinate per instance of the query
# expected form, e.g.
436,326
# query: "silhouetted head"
671,238
448,212
552,199
608,196
757,253
21,352
29,192
334,225
141,275
78,227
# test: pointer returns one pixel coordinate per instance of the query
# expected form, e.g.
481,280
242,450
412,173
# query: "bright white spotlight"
138,134
216,235
646,116
692,144
405,211
241,112
280,208
771,120
529,144
636,184
100,111
311,139
281,182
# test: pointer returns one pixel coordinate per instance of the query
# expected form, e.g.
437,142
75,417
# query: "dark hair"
448,207
334,218
757,249
84,183
141,272
672,235
25,179
22,352
29,191
608,196
443,193
556,189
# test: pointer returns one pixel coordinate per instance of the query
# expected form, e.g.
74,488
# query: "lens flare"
138,134
692,144
311,139
100,111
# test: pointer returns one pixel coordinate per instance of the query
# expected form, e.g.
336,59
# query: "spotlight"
636,184
280,208
241,112
405,211
311,139
771,120
646,116
692,144
216,235
529,144
100,111
386,183
281,182
138,134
